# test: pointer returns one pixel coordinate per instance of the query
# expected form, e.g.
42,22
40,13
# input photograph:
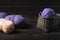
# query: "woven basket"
47,25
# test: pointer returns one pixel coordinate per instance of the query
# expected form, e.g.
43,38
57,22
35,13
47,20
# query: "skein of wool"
2,14
6,26
48,13
16,19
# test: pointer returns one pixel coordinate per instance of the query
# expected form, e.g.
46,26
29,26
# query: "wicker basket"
46,25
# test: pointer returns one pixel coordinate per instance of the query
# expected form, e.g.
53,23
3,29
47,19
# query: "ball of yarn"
6,26
16,19
48,13
2,14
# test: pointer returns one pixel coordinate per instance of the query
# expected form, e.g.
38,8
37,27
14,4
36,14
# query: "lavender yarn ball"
16,19
2,14
48,13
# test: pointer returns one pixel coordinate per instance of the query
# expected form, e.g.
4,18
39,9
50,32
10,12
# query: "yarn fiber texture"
6,26
16,19
48,13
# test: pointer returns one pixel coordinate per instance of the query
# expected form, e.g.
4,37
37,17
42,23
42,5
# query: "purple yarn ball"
48,13
15,18
2,14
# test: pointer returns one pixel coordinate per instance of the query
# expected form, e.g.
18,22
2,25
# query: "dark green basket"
48,25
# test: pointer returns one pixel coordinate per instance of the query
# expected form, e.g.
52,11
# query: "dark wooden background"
28,5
